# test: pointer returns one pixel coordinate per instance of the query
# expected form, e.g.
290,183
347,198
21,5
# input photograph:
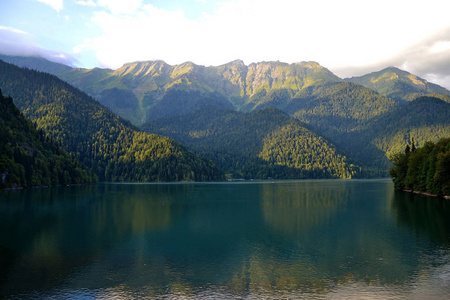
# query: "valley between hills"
150,121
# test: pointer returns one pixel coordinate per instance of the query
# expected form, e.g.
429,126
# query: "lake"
313,239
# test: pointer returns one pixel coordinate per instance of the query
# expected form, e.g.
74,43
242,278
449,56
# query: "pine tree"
407,150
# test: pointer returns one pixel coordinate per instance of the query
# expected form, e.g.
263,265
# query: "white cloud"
429,58
12,30
55,4
152,33
17,42
440,46
338,34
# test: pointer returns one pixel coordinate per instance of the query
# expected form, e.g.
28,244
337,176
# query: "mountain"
36,63
399,85
136,90
340,111
28,158
339,106
140,91
101,140
424,119
336,110
261,144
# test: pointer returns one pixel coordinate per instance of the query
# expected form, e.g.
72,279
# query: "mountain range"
104,142
208,109
136,90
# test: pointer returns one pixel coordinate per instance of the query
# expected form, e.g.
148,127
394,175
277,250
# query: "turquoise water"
325,239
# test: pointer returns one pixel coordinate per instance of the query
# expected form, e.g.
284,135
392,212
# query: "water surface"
323,239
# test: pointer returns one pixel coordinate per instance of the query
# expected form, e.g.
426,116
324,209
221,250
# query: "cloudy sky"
349,37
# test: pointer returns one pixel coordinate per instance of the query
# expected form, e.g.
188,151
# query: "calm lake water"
325,239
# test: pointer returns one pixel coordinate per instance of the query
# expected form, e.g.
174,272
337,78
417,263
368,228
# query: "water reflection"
333,238
423,215
53,231
299,207
300,239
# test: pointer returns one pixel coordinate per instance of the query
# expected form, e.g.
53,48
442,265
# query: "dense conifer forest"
265,120
28,158
425,169
113,148
264,143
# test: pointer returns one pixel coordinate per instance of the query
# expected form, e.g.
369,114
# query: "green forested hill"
101,140
369,126
356,117
339,107
264,143
398,84
338,111
28,158
425,169
424,119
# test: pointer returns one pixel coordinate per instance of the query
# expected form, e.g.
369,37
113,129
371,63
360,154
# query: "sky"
349,37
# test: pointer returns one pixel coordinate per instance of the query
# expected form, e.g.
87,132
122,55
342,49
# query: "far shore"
425,194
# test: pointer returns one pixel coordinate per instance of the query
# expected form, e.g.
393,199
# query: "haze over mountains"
365,119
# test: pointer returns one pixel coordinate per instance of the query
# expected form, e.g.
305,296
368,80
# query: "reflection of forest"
61,228
282,240
297,208
294,211
329,236
423,215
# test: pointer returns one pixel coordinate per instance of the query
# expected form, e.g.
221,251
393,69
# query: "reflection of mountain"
286,239
63,228
266,276
326,234
423,215
297,208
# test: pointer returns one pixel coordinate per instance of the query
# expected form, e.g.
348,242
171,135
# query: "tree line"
425,169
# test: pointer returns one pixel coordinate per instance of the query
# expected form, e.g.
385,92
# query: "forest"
257,145
28,158
107,144
424,169
289,122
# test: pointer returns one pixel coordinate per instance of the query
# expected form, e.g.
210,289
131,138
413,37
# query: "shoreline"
42,186
426,194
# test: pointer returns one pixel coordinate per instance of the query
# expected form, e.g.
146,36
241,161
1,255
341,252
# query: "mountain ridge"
133,89
42,64
337,109
113,148
392,82
242,85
